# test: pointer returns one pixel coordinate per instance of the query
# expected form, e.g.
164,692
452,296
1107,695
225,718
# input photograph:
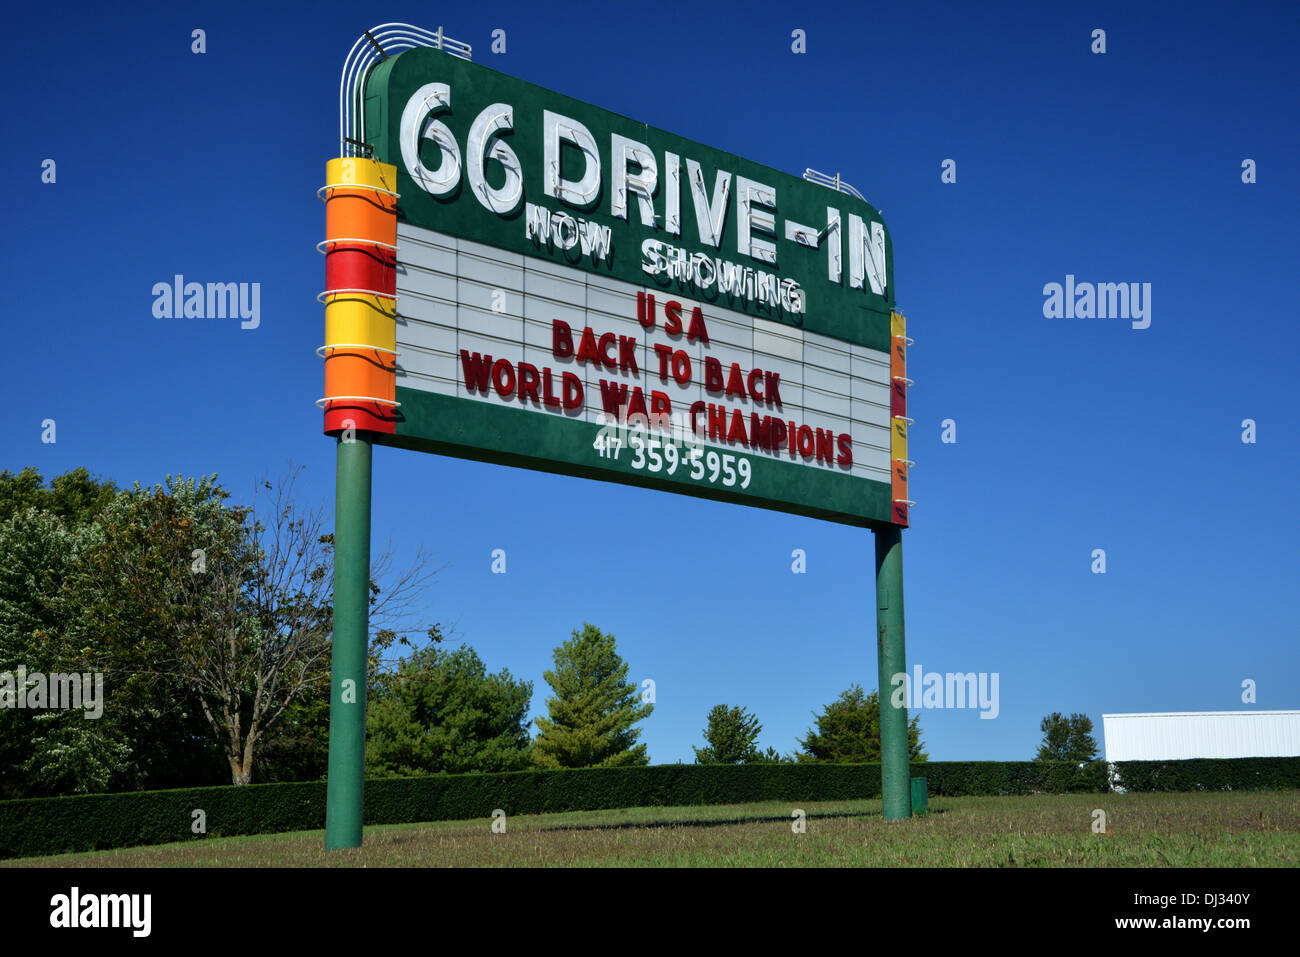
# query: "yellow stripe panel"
355,171
897,439
361,320
897,325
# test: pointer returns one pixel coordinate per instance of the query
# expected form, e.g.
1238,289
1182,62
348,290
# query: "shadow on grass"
704,822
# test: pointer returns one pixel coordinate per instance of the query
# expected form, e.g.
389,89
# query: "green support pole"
892,657
347,756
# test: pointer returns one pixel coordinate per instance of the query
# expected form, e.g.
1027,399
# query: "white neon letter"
493,120
749,196
709,214
581,193
418,123
623,151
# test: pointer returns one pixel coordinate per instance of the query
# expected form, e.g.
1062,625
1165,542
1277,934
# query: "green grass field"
1144,830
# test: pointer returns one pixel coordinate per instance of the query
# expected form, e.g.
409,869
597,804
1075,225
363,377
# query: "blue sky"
1072,434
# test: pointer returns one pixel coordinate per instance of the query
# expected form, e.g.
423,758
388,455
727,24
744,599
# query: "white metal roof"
1168,714
1178,735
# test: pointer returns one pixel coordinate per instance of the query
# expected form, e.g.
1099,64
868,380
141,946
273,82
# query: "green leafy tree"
296,748
731,733
210,622
77,497
441,711
56,751
226,608
591,715
159,586
21,491
47,535
848,731
1066,738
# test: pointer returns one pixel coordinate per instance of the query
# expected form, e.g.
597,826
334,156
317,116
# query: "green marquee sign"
488,157
562,268
519,277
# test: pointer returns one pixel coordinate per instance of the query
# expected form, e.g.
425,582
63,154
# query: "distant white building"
1178,735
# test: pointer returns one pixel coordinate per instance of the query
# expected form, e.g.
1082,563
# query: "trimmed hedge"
100,821
1209,774
970,778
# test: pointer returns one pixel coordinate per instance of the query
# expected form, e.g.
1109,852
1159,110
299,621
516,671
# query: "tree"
848,731
230,606
76,497
46,752
46,537
593,709
731,733
296,748
163,609
210,623
441,712
1066,738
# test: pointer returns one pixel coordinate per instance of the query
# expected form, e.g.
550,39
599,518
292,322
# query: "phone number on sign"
652,455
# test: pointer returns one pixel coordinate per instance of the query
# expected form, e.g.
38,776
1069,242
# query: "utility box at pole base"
920,797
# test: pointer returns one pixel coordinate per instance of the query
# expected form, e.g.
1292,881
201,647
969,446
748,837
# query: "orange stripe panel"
898,482
898,357
361,214
369,374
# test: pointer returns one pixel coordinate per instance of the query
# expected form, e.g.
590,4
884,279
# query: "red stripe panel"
367,416
900,513
361,267
898,398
